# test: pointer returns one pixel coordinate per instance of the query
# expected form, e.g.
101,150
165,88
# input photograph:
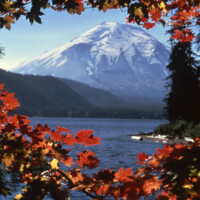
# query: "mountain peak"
108,23
120,58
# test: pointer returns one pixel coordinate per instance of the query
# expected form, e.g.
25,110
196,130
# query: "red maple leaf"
155,14
86,137
67,161
166,151
155,162
142,157
82,134
68,139
87,159
178,35
179,146
148,25
124,175
1,87
9,102
189,37
62,129
39,132
91,140
44,129
56,136
151,185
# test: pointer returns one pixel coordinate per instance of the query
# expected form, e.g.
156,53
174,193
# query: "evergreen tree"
183,97
198,67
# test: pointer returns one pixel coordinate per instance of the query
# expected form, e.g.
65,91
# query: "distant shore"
160,138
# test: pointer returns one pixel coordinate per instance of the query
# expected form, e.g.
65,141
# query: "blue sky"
25,41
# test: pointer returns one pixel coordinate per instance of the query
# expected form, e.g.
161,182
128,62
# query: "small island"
165,139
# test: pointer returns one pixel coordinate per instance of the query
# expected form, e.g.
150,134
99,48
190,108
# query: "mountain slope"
120,58
39,94
48,96
95,96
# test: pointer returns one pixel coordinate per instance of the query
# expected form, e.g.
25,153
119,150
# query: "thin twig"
71,183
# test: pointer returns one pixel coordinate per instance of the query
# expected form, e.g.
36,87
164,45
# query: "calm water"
117,148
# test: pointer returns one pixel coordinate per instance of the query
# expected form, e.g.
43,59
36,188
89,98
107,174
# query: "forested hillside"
51,97
42,95
95,96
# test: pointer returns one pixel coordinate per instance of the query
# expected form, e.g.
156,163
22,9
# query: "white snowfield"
120,58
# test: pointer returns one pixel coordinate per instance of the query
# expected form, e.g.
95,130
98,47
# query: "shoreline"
160,138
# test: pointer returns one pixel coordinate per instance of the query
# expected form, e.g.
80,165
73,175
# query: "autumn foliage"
182,14
40,156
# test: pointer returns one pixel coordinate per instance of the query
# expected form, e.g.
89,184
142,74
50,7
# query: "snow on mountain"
120,58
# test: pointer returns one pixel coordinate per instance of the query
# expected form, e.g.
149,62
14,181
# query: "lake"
117,148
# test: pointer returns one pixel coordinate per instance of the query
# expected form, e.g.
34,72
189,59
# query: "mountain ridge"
95,96
119,58
37,93
50,97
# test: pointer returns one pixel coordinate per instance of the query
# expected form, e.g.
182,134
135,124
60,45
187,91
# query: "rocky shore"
160,138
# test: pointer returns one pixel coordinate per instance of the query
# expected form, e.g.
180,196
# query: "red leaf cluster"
38,155
183,36
87,159
86,137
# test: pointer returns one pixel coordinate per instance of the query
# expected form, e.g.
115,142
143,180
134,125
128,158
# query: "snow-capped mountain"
120,58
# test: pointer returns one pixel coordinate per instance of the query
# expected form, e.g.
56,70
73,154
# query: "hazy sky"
25,41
